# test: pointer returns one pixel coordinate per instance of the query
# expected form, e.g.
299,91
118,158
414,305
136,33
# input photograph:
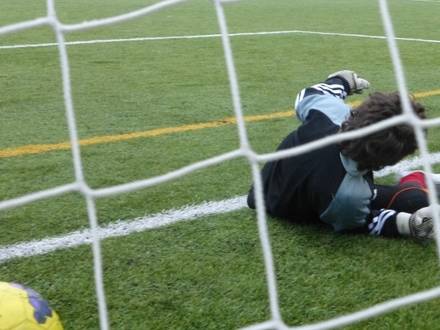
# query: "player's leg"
406,197
409,195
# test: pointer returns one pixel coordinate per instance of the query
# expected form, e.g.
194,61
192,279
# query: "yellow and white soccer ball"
22,308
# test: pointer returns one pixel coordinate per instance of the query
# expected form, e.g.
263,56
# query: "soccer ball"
22,308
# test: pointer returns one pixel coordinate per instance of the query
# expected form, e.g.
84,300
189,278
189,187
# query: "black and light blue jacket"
322,184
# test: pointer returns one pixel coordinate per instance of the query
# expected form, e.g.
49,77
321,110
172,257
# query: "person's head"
385,147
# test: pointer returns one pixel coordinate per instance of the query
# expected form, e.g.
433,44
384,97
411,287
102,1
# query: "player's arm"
338,84
328,97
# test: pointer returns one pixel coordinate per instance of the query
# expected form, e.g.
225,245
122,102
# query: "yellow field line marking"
43,148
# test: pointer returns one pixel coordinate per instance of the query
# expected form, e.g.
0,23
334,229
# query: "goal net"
244,151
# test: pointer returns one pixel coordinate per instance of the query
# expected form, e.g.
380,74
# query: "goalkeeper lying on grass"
335,183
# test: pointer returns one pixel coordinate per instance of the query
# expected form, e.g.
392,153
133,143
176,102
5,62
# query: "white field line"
127,227
121,228
405,165
204,36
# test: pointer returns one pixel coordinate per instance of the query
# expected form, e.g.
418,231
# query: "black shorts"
407,197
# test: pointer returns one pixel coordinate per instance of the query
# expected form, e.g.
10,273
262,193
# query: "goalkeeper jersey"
321,184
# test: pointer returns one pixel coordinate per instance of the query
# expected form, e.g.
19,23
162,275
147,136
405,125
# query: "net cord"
244,144
78,168
245,150
405,100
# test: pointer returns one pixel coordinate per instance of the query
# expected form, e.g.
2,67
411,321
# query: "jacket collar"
351,166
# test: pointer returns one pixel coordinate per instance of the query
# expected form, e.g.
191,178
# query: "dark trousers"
407,197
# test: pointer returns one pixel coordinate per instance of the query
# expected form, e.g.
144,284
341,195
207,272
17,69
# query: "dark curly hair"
385,147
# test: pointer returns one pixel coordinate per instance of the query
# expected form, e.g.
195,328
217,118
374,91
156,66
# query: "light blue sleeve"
334,108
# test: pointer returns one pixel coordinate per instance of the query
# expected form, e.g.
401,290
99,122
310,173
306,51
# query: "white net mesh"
94,235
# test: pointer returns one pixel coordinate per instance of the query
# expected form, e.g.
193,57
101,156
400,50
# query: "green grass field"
207,273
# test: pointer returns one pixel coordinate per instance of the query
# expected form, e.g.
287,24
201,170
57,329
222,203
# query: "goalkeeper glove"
418,225
356,84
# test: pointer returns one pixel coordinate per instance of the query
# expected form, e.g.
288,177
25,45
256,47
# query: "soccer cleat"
420,224
417,225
